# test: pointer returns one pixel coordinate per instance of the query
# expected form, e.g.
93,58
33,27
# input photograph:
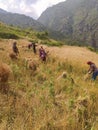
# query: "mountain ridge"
75,19
2,11
20,20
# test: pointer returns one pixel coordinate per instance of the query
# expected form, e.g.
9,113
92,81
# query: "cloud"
31,8
42,5
31,1
20,6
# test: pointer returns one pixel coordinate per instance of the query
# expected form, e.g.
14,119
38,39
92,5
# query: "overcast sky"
31,8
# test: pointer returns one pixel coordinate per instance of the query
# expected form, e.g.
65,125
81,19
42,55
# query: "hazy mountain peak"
2,11
19,20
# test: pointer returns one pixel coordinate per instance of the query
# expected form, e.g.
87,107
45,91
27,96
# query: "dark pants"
94,75
34,50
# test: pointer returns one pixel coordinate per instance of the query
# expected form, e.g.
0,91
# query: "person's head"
89,62
14,43
41,47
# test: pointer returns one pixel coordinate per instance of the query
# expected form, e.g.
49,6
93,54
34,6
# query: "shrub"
8,35
42,35
91,48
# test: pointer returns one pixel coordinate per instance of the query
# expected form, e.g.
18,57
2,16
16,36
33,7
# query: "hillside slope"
75,19
43,100
75,54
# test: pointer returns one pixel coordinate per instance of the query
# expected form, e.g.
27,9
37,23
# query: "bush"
42,35
91,48
8,35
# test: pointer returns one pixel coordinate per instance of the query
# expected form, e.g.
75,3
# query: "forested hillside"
75,19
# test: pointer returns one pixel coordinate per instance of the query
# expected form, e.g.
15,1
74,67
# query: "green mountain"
75,19
20,20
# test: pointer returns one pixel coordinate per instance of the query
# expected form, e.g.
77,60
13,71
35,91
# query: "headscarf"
89,62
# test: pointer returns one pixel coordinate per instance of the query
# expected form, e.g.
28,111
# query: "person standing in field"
34,45
42,54
29,45
93,70
15,48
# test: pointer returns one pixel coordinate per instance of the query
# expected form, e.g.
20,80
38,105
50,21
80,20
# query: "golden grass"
38,101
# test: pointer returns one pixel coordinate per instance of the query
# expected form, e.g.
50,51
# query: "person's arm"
90,70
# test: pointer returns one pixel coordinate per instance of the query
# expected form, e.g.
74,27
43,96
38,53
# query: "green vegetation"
42,35
8,36
73,42
11,32
52,42
73,19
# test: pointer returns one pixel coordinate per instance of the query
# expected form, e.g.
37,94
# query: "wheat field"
45,99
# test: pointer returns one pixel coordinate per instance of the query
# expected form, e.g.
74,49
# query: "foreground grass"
39,100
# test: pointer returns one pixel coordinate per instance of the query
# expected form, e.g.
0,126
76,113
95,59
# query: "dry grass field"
45,99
